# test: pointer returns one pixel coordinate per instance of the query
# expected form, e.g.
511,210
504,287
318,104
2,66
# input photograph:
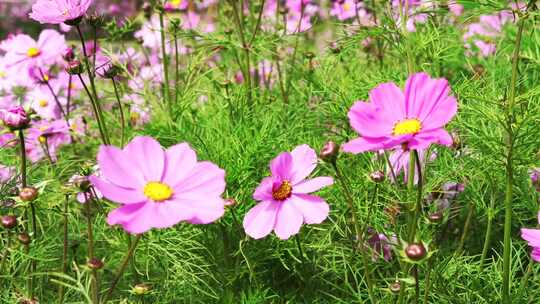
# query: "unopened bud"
141,289
69,54
329,152
416,251
9,221
95,264
377,176
395,287
435,217
24,238
74,67
230,202
15,118
28,194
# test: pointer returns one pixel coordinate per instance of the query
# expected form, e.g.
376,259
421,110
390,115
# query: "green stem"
418,205
509,194
465,228
122,268
359,234
96,112
165,61
245,47
487,238
95,292
122,118
61,290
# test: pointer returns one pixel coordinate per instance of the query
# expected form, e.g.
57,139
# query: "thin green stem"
61,290
245,47
96,112
358,234
487,238
165,61
465,228
90,234
122,117
122,268
509,194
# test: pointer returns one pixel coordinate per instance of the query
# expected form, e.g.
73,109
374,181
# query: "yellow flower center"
33,52
176,2
42,139
65,12
347,7
282,192
157,191
407,126
3,74
43,103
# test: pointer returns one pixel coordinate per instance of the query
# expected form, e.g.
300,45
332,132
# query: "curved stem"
96,112
61,290
122,268
165,62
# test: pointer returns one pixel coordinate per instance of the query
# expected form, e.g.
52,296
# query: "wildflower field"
269,151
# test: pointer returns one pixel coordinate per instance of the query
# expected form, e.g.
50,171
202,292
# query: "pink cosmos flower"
23,52
43,102
414,118
346,9
285,199
14,117
59,11
532,236
6,173
158,188
45,138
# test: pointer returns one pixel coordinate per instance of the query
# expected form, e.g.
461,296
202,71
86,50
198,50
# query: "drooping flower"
380,244
413,119
59,11
158,188
285,199
532,236
399,159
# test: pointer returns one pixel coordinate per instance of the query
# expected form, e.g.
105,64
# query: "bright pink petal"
288,222
116,167
389,96
261,219
180,161
304,161
370,120
532,236
535,254
198,209
118,194
281,166
143,219
124,214
264,190
364,144
312,185
422,140
313,208
148,155
204,178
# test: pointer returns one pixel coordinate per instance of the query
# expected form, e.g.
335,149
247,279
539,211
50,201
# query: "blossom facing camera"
413,118
158,188
15,118
285,202
69,12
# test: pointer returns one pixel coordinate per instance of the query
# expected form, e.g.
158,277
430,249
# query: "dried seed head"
28,194
395,287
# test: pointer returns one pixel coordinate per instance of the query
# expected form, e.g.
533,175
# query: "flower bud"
8,203
96,21
309,55
329,152
74,22
395,287
95,264
110,71
435,217
28,194
377,176
69,54
141,289
74,67
24,238
9,221
230,202
416,251
15,118
334,47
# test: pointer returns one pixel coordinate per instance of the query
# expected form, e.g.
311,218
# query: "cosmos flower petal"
535,254
204,178
304,161
264,190
424,139
389,96
148,155
364,144
117,193
261,219
532,236
313,208
180,161
199,209
370,120
312,185
288,222
124,214
281,166
117,168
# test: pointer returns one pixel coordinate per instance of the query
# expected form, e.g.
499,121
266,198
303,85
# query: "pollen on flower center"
282,192
407,126
157,191
33,52
3,74
347,7
43,103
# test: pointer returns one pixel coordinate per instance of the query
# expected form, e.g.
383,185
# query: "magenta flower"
14,118
45,138
346,9
285,199
532,236
413,119
59,11
158,188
